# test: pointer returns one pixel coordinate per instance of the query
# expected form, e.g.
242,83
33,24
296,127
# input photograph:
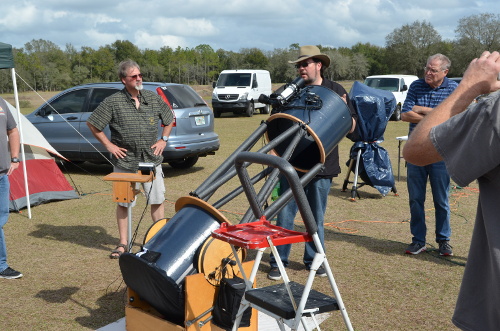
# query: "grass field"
70,283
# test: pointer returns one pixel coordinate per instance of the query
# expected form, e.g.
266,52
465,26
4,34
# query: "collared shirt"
422,94
135,129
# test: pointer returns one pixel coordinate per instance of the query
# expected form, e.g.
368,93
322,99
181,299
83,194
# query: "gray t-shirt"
470,146
7,122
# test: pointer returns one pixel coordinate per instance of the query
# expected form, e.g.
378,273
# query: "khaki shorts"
154,191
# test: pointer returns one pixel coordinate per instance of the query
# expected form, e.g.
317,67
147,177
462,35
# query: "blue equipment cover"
374,108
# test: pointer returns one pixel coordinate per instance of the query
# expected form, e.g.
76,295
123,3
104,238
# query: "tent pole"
16,97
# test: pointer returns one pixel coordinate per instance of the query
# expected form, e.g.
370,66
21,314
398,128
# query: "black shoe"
445,248
415,248
10,273
321,272
274,274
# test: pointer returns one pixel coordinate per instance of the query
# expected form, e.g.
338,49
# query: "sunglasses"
303,64
135,76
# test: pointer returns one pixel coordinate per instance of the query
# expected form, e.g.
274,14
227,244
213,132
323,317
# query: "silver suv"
62,121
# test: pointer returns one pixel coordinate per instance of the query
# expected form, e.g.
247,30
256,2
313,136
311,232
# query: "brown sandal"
116,253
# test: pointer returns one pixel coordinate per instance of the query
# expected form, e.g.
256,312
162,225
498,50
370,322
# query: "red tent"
46,182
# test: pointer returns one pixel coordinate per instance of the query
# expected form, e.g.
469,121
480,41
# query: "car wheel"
250,109
184,164
396,116
265,109
217,113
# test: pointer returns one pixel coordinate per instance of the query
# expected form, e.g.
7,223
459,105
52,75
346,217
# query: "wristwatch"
14,160
164,138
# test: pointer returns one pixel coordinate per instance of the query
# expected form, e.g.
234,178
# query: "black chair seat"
275,299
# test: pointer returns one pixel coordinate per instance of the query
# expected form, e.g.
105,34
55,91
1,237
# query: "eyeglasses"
303,64
135,76
433,71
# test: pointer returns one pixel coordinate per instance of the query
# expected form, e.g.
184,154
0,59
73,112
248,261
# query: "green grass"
71,284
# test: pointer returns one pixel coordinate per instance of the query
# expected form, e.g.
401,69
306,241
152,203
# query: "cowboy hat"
307,52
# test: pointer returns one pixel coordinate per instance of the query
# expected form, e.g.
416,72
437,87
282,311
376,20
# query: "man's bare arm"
416,114
15,145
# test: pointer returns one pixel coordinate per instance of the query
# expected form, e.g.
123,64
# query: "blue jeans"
317,195
440,185
4,216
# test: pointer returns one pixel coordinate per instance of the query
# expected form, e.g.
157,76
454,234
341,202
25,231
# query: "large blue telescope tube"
325,117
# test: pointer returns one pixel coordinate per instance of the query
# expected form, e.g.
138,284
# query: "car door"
90,148
59,121
404,86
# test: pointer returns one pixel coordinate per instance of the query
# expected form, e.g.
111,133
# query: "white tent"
46,181
7,62
31,134
54,185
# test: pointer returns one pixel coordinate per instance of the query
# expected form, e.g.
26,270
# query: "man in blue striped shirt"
423,96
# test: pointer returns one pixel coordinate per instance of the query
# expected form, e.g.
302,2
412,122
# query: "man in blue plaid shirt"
423,96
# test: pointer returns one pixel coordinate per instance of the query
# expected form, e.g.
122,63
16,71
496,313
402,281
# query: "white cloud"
230,25
56,15
103,18
17,17
182,26
145,40
100,38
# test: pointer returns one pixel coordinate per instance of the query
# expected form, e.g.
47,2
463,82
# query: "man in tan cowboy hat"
313,53
310,66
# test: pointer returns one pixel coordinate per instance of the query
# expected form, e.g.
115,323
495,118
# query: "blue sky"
230,25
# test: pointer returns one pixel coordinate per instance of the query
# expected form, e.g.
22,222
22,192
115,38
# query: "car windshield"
181,96
388,84
234,79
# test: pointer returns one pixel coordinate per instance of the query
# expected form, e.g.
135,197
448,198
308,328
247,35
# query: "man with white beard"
132,115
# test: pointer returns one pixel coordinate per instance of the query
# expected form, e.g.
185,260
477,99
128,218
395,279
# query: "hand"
118,152
13,166
159,146
421,110
482,73
344,97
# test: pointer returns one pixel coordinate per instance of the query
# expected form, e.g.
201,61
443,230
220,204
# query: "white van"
397,84
238,91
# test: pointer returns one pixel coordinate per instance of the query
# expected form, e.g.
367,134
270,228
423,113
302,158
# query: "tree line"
44,66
